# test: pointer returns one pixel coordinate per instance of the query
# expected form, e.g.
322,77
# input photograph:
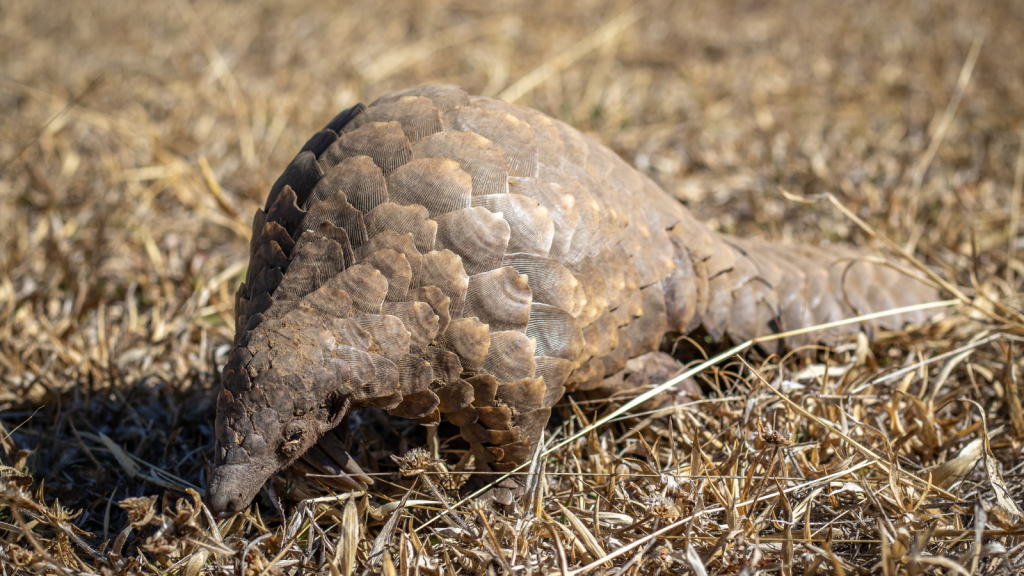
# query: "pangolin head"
279,396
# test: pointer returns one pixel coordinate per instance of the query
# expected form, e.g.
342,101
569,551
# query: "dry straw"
140,137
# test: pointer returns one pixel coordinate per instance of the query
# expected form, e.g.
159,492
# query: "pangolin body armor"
442,256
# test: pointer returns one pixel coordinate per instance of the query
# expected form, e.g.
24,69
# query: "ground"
139,138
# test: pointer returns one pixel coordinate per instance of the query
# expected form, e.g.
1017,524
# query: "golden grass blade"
601,36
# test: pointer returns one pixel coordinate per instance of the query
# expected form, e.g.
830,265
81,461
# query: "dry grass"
138,140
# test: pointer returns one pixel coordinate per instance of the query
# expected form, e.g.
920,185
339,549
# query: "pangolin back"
445,256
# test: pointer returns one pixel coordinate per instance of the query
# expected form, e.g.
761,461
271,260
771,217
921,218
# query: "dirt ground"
138,138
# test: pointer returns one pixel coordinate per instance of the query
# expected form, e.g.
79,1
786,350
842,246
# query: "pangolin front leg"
438,255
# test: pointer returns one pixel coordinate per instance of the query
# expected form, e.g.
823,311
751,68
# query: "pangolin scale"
442,256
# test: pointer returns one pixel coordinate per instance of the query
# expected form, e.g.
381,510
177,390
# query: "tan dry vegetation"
139,137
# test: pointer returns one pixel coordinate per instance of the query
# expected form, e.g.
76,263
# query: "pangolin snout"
233,486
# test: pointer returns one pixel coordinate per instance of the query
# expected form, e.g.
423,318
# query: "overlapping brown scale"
575,146
348,332
463,417
646,331
613,218
530,424
282,303
286,212
726,273
587,237
862,287
617,358
477,235
601,162
587,377
627,311
666,209
631,276
524,395
513,135
277,233
324,256
531,228
550,282
632,308
437,184
484,388
403,220
362,373
610,260
454,397
330,301
554,392
390,338
416,405
701,296
469,339
744,315
697,239
384,142
320,142
655,260
499,298
241,309
561,207
443,269
550,148
385,378
438,303
881,294
501,437
255,317
510,356
588,274
476,155
791,292
259,221
366,287
417,115
591,334
498,417
359,178
414,374
401,243
512,454
446,365
344,117
557,333
443,96
626,182
395,269
476,433
831,303
680,288
817,292
328,230
337,210
432,419
301,176
265,282
299,281
268,255
765,286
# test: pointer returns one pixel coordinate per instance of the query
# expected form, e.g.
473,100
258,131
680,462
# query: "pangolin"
442,256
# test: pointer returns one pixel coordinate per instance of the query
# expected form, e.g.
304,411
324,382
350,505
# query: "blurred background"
138,138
